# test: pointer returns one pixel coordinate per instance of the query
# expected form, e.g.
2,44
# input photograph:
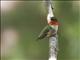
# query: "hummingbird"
52,27
49,30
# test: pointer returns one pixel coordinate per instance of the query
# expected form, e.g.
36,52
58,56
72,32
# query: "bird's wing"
43,33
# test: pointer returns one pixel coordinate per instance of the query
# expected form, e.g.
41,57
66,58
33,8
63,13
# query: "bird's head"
53,21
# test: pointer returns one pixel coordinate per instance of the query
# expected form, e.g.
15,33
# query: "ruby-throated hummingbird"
52,27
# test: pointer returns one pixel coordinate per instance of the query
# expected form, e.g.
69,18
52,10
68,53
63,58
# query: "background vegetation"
29,18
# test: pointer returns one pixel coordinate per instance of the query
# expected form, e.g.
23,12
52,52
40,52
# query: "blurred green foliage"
29,18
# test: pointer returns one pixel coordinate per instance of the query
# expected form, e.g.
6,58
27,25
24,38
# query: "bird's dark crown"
53,19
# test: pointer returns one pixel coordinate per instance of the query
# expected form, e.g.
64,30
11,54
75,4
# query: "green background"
29,18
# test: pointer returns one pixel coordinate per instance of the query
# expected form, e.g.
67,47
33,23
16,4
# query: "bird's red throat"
53,23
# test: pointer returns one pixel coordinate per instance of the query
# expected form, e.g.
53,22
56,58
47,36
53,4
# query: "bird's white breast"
55,27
